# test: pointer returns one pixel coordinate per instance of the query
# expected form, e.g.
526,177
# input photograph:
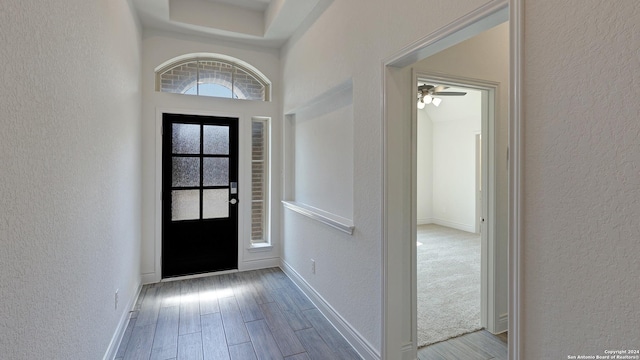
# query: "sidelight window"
259,181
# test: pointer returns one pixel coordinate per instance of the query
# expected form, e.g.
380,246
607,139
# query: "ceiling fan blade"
450,93
439,88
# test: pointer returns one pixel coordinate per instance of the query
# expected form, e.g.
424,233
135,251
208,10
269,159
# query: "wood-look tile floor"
479,345
251,315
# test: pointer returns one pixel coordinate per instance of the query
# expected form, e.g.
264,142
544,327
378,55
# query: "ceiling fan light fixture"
421,104
436,101
427,99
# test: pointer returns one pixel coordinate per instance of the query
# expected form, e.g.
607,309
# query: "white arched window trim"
250,69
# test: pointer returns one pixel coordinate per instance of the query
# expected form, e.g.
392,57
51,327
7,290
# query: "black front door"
200,194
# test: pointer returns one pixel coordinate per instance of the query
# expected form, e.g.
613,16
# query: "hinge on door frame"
507,157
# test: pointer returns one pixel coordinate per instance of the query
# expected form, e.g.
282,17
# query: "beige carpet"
448,283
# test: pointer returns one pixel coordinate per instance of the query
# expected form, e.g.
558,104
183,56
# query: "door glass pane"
186,171
186,139
216,140
185,204
216,172
215,204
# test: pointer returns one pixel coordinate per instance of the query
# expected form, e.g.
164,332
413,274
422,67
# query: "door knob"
233,201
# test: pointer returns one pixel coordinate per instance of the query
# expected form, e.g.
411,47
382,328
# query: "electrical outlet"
116,299
313,266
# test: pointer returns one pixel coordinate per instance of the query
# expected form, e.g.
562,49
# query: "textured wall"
70,175
581,177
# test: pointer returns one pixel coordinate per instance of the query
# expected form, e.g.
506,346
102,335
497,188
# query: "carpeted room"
448,283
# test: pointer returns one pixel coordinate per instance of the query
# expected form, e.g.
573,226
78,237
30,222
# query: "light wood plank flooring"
251,315
479,345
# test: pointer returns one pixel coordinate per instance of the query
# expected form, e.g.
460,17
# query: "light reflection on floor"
198,296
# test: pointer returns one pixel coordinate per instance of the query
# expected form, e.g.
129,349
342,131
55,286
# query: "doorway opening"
466,281
399,167
454,221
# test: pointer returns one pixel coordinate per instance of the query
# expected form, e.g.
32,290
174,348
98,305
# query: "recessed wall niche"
319,156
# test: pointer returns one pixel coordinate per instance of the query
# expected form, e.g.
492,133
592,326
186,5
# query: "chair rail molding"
325,217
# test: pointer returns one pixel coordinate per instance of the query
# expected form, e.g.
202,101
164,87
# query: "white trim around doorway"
398,341
156,275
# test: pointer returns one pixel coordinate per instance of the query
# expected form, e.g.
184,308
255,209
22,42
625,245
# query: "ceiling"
257,22
456,108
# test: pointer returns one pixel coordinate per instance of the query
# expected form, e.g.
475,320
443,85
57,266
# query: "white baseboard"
150,278
425,221
259,264
352,336
197,276
408,351
122,327
455,225
503,324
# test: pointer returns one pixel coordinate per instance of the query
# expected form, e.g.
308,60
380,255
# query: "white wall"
581,178
454,125
70,178
323,154
424,168
159,47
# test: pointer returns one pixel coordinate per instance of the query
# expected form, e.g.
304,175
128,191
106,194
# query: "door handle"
233,201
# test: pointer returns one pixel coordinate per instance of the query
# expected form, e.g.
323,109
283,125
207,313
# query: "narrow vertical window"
259,182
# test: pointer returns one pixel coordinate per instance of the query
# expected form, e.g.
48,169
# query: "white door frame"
489,89
479,182
244,127
398,336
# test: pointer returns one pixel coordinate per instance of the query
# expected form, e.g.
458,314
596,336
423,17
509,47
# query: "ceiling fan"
427,93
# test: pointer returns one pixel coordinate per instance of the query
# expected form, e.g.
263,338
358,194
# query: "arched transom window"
212,76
